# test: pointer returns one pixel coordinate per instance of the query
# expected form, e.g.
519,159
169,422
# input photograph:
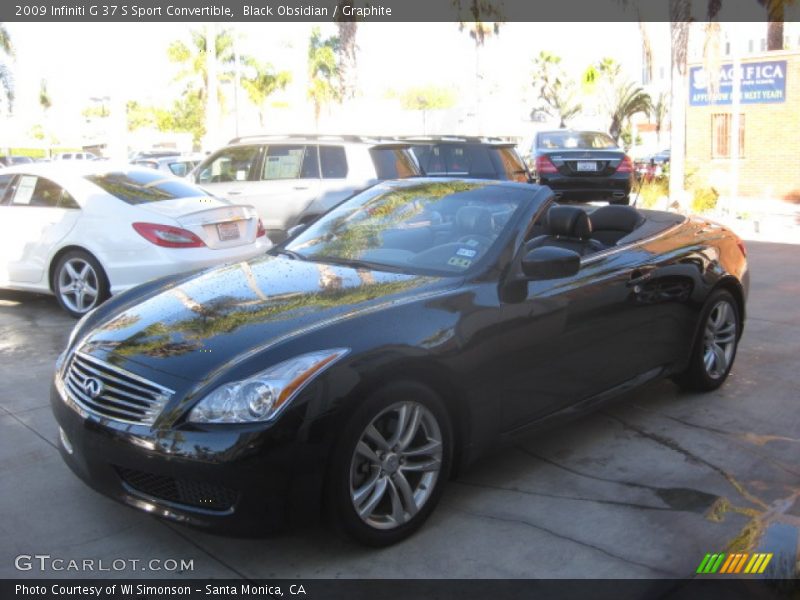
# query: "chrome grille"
108,391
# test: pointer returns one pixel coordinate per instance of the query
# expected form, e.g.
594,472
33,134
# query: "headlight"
262,396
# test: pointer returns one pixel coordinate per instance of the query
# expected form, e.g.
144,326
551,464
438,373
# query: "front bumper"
226,480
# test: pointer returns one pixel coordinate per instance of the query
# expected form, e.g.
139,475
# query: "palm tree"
629,100
482,18
6,77
193,59
44,96
263,83
660,110
557,93
776,10
348,48
323,71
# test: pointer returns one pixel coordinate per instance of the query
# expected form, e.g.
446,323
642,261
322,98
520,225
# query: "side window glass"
231,164
25,188
178,168
310,168
283,162
333,162
5,188
65,200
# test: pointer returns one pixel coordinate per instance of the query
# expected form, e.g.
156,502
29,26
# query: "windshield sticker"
457,261
466,252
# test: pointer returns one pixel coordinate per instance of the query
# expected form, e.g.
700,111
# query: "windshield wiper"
360,264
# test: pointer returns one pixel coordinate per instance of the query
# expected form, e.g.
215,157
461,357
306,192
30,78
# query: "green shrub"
650,192
704,199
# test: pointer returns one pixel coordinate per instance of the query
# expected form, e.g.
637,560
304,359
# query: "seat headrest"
569,221
474,219
616,218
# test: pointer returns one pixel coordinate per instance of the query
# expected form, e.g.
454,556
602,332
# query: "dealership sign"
761,83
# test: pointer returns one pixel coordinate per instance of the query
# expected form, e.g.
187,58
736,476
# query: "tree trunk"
212,83
775,19
680,11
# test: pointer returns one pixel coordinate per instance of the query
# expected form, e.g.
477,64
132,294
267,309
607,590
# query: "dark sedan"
582,165
384,348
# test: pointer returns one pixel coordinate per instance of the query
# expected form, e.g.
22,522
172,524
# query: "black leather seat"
568,227
612,223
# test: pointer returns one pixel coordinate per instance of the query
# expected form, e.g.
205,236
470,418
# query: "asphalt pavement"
644,488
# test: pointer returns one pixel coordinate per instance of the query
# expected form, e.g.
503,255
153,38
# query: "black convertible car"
383,348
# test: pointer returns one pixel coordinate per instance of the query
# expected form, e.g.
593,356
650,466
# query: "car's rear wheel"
623,201
716,344
79,282
388,470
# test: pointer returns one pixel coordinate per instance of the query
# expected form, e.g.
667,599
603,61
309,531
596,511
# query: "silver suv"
292,180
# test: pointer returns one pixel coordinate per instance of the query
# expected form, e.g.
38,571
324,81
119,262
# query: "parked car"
474,157
83,232
582,165
295,179
652,166
7,161
75,156
177,165
381,350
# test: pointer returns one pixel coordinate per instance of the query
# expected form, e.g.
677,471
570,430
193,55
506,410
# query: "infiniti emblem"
93,387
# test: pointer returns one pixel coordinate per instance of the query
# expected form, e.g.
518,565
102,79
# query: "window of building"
750,46
721,125
763,44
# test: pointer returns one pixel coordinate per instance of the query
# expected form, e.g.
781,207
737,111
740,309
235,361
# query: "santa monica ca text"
139,589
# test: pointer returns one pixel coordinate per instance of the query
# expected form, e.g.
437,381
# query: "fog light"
65,440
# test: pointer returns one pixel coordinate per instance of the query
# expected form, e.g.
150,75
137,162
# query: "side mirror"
293,231
550,262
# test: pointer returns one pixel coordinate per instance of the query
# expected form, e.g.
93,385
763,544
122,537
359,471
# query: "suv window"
139,187
509,165
231,164
393,163
333,162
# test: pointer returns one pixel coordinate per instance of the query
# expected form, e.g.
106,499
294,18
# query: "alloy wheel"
719,341
395,465
78,285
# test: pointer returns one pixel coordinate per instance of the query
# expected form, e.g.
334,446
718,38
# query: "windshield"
558,140
140,186
442,227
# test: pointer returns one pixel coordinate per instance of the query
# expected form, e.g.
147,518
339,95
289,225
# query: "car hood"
201,324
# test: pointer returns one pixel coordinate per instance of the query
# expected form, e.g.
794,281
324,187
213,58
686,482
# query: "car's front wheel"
79,282
391,463
715,347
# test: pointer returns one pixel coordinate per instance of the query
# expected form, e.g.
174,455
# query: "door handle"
300,187
640,276
234,193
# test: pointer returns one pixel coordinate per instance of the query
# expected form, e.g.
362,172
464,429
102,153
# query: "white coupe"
86,231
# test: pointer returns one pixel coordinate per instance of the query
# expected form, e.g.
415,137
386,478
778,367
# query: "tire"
79,283
375,471
626,201
715,348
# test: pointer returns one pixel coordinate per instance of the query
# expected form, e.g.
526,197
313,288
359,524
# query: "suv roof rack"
317,137
455,138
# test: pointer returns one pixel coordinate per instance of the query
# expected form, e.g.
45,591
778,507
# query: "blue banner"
761,83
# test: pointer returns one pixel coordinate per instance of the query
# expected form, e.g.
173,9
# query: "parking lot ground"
644,488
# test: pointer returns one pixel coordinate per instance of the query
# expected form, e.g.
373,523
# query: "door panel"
39,215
